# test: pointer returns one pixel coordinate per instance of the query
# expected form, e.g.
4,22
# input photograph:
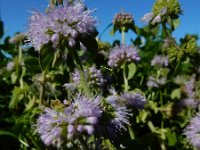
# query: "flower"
160,61
60,126
147,17
189,102
119,114
48,126
189,87
92,75
68,20
192,131
123,19
121,54
153,82
157,19
135,99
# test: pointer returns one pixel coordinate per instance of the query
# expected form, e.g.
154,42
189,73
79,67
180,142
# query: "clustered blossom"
192,131
153,82
122,54
134,99
56,127
68,20
189,87
154,19
92,75
159,60
120,114
123,19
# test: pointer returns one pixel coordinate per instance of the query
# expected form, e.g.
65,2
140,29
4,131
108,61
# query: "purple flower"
135,99
119,114
147,17
160,61
153,82
189,87
123,19
48,126
121,54
57,126
92,75
189,102
192,131
68,20
120,118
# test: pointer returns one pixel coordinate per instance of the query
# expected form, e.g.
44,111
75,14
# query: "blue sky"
15,14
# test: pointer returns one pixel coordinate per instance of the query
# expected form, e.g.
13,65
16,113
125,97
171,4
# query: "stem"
165,30
123,36
42,88
125,78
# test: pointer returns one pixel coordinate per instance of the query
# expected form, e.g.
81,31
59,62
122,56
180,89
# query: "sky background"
15,14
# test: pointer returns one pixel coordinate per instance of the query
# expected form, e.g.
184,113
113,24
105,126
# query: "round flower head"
84,114
68,20
123,20
48,126
57,127
153,82
189,87
92,75
119,113
159,60
121,54
192,131
134,99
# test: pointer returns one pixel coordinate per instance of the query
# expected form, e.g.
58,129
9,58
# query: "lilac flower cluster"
154,19
92,75
153,82
68,20
159,60
189,87
134,99
123,19
57,127
119,104
121,54
120,114
192,131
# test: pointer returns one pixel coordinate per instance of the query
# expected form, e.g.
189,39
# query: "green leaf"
175,23
7,133
171,137
131,133
131,70
46,57
176,93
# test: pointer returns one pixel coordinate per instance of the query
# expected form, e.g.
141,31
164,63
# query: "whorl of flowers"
123,19
92,75
153,82
121,54
56,127
192,131
134,99
159,60
189,87
68,20
119,114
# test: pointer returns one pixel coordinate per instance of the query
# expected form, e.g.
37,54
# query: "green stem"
42,87
125,78
165,30
123,36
